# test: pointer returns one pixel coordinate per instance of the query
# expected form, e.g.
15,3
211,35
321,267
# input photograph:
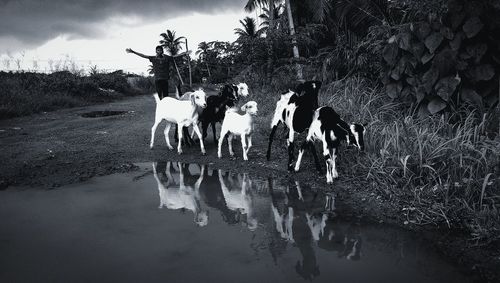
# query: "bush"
26,93
441,64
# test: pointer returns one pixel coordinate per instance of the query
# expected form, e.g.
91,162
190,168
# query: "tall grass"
438,171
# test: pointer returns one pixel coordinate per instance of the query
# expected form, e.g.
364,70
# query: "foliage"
442,63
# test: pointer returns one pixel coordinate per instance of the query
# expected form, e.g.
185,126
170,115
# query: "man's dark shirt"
161,67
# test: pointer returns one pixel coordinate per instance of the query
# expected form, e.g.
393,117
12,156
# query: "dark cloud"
34,22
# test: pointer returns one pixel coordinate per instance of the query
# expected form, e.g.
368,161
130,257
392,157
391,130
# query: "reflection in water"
239,197
301,217
238,222
176,194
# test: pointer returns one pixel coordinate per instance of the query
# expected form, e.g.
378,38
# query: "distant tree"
250,7
249,30
203,51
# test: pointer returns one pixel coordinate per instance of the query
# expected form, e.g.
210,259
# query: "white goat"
236,124
177,195
183,113
240,200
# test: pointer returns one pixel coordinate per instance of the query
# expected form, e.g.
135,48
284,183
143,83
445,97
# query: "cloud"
33,22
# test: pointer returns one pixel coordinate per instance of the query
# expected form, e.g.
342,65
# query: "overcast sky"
98,31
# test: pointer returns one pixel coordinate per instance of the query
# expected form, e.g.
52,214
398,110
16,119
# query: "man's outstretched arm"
129,50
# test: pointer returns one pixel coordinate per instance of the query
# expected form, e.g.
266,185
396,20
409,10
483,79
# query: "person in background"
161,68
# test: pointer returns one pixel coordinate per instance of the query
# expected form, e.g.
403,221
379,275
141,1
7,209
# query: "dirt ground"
53,149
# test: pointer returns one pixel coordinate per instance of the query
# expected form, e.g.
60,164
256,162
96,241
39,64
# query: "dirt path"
57,148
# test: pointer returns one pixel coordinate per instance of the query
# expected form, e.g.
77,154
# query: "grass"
26,93
436,170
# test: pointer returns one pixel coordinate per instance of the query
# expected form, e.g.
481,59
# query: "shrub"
442,63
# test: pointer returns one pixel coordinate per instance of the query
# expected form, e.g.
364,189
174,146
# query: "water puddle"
174,222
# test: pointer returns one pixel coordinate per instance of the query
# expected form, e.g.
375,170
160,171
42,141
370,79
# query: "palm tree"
249,30
265,16
203,50
173,45
250,7
248,34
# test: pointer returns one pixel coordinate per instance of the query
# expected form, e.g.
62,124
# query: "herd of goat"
297,109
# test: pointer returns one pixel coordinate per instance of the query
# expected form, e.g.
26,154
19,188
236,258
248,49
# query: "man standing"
161,68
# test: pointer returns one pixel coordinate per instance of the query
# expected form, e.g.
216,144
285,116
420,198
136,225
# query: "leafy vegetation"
28,93
442,63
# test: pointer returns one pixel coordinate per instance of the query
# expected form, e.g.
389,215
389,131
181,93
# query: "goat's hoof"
203,153
170,147
150,147
179,152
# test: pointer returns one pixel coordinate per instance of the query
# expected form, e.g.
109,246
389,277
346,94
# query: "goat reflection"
239,200
305,221
176,194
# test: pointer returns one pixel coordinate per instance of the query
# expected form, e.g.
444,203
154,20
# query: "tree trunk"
189,64
208,68
270,31
294,40
178,73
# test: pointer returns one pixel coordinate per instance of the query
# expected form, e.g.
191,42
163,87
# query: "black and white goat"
218,104
331,130
295,110
183,113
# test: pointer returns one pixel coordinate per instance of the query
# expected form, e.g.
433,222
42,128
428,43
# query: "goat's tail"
157,98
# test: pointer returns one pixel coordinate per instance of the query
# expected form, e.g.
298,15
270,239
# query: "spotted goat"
295,110
328,127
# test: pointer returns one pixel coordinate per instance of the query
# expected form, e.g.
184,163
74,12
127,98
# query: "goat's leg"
176,138
244,146
213,131
329,178
249,143
153,130
230,144
291,149
187,138
204,127
167,138
328,160
179,141
335,174
223,133
197,131
271,136
301,154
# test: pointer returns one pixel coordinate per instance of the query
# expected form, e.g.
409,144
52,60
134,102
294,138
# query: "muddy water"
173,222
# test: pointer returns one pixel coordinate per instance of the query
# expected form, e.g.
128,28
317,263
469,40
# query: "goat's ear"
244,107
192,98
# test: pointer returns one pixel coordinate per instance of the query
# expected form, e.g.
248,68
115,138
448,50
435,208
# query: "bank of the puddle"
183,223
